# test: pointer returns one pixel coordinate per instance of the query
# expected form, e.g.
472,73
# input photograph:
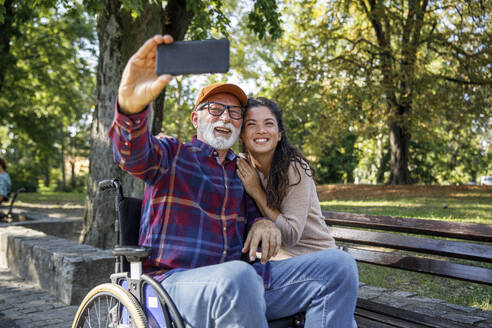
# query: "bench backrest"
451,240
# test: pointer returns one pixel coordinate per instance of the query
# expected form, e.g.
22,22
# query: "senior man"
196,212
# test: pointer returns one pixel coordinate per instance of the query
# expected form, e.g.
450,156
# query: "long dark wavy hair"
285,154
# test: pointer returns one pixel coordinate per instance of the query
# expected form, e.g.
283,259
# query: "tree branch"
463,81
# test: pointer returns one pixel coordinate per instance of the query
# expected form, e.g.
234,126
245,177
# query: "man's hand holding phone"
151,68
140,83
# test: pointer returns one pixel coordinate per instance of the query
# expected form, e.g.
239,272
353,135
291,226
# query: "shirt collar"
211,151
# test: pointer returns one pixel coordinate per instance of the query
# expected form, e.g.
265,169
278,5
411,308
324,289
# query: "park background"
390,101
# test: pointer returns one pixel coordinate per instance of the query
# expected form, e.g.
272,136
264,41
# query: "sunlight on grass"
52,197
453,210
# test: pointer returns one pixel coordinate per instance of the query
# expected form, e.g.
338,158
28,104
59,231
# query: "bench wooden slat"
366,321
417,264
462,250
418,319
469,231
370,319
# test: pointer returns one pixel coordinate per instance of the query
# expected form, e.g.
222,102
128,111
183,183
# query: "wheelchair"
12,196
134,299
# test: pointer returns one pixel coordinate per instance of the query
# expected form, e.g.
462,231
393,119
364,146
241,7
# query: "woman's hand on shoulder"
249,177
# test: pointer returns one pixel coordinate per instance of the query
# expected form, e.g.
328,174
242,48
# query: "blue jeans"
231,294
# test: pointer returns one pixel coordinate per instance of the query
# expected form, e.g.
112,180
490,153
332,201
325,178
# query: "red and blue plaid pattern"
195,210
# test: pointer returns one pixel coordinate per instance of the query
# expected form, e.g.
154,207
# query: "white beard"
206,132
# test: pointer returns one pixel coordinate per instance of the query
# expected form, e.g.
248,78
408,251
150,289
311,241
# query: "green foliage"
23,176
48,87
338,161
347,68
209,18
264,19
23,160
180,100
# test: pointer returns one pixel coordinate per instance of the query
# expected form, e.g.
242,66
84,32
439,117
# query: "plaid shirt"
195,210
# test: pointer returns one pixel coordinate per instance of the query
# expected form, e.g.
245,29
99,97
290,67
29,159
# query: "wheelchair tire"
101,308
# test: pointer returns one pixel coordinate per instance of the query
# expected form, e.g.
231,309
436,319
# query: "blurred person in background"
5,183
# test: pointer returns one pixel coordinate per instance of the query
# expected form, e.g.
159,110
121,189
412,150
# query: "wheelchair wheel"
109,305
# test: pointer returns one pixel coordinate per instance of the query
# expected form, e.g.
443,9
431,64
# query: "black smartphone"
193,57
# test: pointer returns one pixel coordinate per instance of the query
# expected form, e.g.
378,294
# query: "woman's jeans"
231,294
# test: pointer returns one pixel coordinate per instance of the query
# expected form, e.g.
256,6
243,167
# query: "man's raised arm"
134,148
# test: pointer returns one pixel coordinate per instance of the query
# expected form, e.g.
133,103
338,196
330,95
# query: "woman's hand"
249,178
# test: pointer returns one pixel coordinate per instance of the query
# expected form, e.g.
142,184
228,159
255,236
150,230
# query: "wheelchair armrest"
132,253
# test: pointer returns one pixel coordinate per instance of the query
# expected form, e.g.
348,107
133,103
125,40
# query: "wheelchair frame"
125,297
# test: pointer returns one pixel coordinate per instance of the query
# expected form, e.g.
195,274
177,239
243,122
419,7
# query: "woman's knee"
242,277
339,262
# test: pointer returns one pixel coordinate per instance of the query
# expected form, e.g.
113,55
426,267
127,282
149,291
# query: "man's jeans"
324,284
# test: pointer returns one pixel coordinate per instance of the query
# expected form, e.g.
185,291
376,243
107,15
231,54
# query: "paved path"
24,305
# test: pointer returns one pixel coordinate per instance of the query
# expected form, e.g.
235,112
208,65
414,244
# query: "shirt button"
224,252
225,229
126,144
215,154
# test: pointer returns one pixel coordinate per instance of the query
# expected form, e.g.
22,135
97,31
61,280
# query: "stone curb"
63,228
65,268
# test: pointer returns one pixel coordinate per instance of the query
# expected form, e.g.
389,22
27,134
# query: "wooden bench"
411,244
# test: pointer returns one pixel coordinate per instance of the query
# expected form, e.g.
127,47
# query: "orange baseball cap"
216,88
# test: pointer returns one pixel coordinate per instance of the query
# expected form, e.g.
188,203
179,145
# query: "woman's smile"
260,132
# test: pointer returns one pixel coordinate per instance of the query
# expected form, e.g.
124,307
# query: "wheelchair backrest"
129,211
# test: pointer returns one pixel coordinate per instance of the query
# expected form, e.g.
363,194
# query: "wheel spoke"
89,317
108,316
105,306
98,311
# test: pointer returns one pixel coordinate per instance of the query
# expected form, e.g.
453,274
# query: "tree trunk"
73,181
7,60
46,179
62,160
399,143
119,37
175,19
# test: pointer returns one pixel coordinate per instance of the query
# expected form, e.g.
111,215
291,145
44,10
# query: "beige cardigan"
301,221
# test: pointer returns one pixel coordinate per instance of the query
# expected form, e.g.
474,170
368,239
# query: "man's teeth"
223,130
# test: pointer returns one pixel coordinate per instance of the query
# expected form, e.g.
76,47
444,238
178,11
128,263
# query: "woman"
5,183
278,177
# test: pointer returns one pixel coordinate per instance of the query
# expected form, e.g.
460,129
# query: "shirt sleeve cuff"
133,121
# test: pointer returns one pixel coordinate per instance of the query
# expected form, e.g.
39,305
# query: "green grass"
472,209
51,197
464,204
